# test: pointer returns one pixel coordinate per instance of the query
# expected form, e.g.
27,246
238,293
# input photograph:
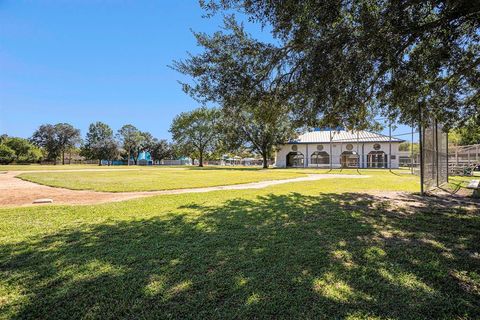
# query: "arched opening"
349,159
320,158
377,159
295,159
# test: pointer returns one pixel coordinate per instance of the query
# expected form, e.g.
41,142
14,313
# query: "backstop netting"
434,160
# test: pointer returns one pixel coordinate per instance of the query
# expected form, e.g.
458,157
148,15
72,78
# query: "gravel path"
17,192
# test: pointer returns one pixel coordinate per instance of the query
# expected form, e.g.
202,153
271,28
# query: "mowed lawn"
168,178
151,179
38,167
319,249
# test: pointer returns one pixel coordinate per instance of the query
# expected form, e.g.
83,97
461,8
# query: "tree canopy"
467,134
45,137
100,143
259,128
255,112
131,140
24,150
7,154
56,139
160,149
345,61
196,129
67,137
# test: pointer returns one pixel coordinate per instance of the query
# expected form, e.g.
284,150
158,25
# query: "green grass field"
319,249
155,178
192,177
38,167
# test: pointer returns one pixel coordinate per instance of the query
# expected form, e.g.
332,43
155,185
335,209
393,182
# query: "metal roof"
342,136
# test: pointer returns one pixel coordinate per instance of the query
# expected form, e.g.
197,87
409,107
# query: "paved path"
17,192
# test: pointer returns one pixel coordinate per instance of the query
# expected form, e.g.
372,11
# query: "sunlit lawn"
155,178
457,182
301,250
168,178
38,167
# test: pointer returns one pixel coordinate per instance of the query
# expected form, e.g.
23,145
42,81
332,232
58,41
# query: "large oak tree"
56,139
100,143
131,140
255,111
348,60
197,129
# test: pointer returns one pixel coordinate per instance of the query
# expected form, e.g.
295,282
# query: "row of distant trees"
209,132
129,142
51,142
203,133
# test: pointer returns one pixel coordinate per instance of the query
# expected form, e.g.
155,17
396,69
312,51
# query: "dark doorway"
295,159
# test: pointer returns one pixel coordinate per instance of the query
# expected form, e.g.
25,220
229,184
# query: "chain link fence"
434,156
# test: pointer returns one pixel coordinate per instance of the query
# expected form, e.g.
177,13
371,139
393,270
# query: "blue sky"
80,61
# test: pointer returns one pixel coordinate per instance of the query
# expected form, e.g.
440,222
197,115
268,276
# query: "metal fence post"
390,146
420,138
446,145
331,158
436,153
411,152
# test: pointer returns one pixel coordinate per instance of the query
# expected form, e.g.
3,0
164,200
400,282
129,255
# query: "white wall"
337,148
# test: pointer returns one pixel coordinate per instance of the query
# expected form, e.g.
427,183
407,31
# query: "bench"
474,184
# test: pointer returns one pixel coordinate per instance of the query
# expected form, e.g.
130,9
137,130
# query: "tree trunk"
128,158
200,162
265,162
63,157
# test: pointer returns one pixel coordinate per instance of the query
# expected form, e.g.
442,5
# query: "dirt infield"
17,192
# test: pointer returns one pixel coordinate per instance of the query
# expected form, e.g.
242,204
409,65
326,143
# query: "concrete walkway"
16,192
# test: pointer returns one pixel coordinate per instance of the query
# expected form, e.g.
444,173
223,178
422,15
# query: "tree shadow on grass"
277,256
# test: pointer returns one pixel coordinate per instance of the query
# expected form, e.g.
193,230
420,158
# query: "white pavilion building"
339,149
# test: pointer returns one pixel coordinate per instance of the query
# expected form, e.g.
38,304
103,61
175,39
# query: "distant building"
339,149
144,159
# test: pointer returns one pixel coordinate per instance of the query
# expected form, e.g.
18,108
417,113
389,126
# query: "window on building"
349,159
376,159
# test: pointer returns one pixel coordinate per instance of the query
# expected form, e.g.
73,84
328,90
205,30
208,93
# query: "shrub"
7,155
